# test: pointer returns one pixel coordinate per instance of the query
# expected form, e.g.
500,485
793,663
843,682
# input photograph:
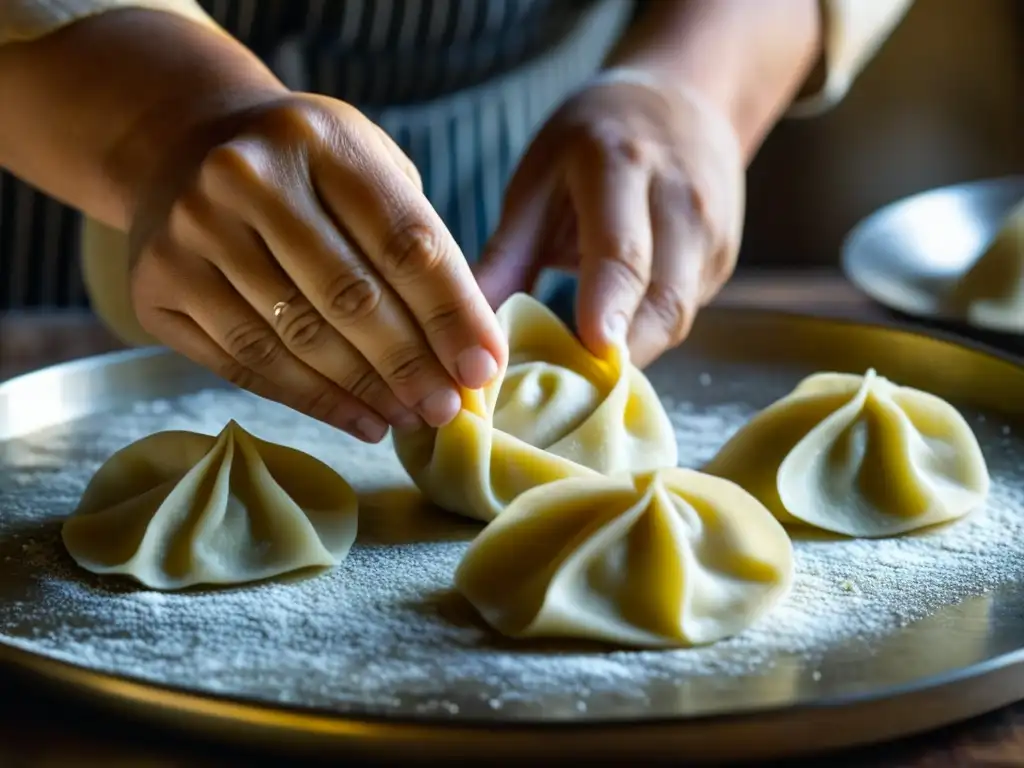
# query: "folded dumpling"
178,509
858,455
556,411
991,294
669,558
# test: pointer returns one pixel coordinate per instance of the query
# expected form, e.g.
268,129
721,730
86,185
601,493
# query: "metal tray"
908,254
924,669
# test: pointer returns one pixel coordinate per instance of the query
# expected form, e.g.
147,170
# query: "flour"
383,634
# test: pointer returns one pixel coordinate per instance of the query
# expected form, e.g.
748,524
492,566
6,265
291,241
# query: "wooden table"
38,729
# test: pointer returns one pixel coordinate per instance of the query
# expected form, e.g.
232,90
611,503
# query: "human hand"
639,185
297,257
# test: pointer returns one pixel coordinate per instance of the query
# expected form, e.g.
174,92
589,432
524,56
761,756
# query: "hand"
639,185
297,257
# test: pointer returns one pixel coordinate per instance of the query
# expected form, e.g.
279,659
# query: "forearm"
748,57
93,109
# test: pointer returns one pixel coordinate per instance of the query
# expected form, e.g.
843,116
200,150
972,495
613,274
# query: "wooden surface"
41,728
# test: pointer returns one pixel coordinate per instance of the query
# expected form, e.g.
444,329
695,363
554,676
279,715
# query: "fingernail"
440,407
371,430
615,328
407,421
476,367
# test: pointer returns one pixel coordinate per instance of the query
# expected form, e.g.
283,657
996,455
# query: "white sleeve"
853,31
23,20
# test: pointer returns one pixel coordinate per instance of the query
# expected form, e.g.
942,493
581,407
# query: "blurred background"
942,103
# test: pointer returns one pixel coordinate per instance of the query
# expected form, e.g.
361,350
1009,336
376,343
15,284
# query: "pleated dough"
557,411
178,509
991,294
859,456
670,558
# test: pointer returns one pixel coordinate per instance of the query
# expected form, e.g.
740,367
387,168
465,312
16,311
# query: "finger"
236,328
511,261
670,304
327,268
405,240
399,158
238,345
241,256
610,196
564,251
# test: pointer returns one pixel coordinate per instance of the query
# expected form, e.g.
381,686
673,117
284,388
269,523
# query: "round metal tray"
908,254
960,661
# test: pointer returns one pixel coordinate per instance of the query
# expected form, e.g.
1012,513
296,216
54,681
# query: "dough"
670,558
555,412
177,509
991,294
858,455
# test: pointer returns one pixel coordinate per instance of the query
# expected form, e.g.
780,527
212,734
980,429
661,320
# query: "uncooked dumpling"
557,411
670,558
177,509
991,294
858,455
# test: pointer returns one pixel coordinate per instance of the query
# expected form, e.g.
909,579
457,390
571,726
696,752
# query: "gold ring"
280,308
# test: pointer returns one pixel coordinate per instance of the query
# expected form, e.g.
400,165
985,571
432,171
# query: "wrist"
747,58
200,106
91,110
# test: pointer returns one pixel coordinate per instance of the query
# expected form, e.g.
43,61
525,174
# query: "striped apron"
461,85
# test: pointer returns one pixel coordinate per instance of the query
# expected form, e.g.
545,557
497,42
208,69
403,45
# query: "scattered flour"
384,634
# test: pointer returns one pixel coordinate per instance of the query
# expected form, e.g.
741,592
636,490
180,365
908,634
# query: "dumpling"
663,559
991,294
859,456
556,411
178,509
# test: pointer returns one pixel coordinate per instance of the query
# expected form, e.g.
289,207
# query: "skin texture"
239,194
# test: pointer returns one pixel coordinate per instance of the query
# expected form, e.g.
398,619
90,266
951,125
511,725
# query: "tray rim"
972,690
999,681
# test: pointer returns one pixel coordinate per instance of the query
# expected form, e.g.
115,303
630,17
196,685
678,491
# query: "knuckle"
414,174
185,217
443,319
626,261
296,120
253,345
406,364
716,273
304,330
631,150
353,297
614,141
722,264
247,168
697,203
321,403
672,309
230,162
237,374
364,383
414,250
